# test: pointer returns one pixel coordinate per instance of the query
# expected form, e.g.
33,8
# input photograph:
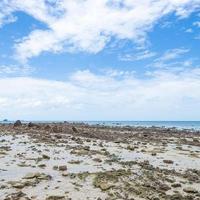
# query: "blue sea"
168,124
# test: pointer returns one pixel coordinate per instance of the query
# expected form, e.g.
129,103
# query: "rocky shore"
63,161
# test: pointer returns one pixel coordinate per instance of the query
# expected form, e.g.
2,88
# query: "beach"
52,161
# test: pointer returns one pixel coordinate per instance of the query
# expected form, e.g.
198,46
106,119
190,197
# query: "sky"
100,59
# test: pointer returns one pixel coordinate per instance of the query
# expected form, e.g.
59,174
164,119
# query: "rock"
131,148
56,197
58,136
176,185
17,184
47,127
164,187
97,160
31,175
17,123
42,165
74,129
168,161
55,167
44,156
37,175
74,162
62,168
56,129
65,174
155,198
176,197
190,190
17,196
105,185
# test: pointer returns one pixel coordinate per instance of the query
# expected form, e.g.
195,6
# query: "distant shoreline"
180,125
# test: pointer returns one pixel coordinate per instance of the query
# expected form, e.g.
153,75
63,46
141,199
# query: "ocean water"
168,124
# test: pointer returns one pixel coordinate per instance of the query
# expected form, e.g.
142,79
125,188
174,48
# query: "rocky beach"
63,161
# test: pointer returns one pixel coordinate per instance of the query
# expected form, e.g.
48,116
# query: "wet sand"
82,162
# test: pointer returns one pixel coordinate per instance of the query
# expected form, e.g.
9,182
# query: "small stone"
31,175
55,197
74,129
64,174
44,156
97,160
105,186
168,161
176,185
62,168
190,190
131,148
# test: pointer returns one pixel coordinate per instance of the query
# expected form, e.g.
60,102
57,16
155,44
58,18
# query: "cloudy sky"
100,59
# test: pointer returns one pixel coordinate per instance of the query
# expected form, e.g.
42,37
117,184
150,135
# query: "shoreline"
179,125
81,161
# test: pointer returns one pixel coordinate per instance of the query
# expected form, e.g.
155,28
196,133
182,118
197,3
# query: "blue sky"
100,60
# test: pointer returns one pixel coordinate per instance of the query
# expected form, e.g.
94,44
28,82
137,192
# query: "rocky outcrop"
18,123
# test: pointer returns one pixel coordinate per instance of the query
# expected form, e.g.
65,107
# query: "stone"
44,156
176,197
74,129
37,175
31,175
97,160
190,190
62,168
131,148
32,125
64,174
105,185
17,184
17,123
176,185
168,161
56,197
17,196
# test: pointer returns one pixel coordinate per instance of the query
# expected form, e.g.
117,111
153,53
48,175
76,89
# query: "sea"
195,125
167,124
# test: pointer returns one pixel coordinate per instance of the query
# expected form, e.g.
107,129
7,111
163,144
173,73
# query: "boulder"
17,123
74,129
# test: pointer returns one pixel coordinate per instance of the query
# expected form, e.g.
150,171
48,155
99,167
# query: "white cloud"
137,56
14,70
172,54
196,24
169,59
189,30
162,95
88,25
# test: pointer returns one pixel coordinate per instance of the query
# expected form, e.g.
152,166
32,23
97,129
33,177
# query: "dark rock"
168,161
17,196
47,127
32,125
62,168
74,129
190,190
17,123
175,185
